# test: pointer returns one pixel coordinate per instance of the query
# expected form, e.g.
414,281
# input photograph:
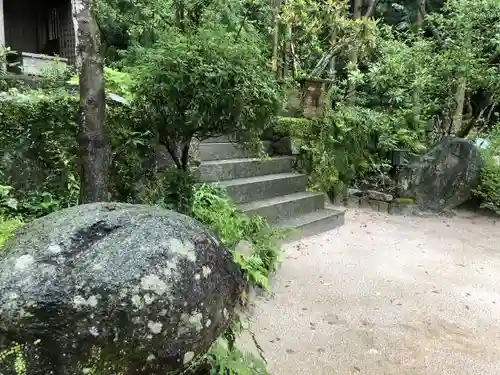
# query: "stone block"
364,203
354,192
379,196
383,207
352,202
403,209
374,204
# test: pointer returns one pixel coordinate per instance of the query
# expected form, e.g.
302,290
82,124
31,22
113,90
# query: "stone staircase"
267,187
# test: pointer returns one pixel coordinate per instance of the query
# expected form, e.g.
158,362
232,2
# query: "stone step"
245,190
312,223
286,206
225,150
220,139
222,170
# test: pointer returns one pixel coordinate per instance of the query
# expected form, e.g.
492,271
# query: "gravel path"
387,295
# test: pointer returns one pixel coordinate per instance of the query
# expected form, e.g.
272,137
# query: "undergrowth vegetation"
489,189
212,208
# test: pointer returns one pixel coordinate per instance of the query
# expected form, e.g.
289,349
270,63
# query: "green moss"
404,200
294,126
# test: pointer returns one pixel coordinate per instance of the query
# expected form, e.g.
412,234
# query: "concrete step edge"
245,160
311,224
251,206
259,179
309,218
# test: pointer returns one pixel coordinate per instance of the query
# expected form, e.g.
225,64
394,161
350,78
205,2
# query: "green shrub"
13,204
489,187
334,149
204,84
39,146
293,126
7,228
116,82
172,189
213,208
233,362
346,145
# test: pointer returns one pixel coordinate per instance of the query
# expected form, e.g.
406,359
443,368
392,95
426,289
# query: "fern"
14,355
212,207
225,361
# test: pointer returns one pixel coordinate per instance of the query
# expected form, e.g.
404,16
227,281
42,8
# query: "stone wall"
36,64
382,202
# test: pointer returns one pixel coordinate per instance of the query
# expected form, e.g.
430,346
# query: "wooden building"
39,31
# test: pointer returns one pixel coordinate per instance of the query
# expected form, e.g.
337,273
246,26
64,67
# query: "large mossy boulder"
110,288
444,177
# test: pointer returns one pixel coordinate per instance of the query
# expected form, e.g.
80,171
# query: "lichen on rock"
444,177
122,283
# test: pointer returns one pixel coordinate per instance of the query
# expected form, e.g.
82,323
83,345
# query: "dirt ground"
387,295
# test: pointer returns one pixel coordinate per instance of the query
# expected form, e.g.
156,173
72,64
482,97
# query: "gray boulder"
444,177
113,288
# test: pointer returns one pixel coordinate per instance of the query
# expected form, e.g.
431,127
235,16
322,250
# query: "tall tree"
354,52
94,147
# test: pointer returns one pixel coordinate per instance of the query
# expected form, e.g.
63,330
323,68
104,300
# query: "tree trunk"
459,105
295,67
287,55
180,16
416,92
94,147
422,13
353,56
276,32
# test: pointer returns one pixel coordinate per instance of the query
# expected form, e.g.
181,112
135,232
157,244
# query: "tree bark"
459,105
94,147
295,67
416,92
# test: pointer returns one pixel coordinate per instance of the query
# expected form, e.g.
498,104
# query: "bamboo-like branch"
371,9
276,24
295,66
